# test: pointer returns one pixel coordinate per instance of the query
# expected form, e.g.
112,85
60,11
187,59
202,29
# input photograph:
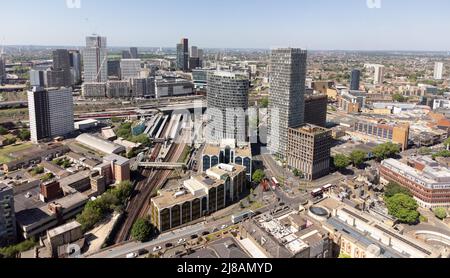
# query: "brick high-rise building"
309,150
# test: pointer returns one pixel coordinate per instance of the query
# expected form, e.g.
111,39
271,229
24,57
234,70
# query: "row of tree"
112,200
403,206
358,157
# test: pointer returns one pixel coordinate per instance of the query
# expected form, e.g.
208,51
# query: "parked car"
143,252
157,248
194,236
169,245
132,255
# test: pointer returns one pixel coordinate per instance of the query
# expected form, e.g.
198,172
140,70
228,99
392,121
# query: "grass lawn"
185,155
15,113
256,206
6,151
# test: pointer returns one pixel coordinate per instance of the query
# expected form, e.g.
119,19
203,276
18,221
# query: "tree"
47,177
265,102
110,201
142,230
403,207
447,143
24,135
132,153
14,250
425,151
37,170
440,213
297,173
399,98
3,131
393,189
142,139
385,151
258,176
9,141
443,153
341,161
358,157
124,131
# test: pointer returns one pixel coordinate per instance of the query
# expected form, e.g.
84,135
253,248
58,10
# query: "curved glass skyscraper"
227,106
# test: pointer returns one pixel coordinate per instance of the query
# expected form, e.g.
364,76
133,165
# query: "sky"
310,24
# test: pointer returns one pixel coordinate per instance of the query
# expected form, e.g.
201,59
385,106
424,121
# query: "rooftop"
195,187
117,159
30,209
64,229
430,176
99,144
310,129
222,170
363,239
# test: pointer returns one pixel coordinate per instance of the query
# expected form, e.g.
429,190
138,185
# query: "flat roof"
64,229
211,150
214,149
167,199
99,144
252,249
74,178
310,129
197,184
117,159
221,172
362,238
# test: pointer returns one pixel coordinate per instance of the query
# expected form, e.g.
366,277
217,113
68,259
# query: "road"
121,251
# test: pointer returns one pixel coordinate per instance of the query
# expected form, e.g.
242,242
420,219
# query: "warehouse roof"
100,144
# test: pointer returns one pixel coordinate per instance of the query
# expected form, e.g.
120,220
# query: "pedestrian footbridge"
162,165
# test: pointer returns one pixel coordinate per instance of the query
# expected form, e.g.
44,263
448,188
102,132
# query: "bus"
327,187
242,216
317,192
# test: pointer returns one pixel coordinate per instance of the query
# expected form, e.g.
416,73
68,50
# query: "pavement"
170,237
99,235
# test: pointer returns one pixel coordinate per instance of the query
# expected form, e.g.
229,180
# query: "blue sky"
312,24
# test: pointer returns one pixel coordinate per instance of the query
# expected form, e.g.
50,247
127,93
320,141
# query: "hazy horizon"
322,25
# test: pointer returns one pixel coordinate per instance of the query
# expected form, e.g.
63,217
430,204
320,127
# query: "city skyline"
297,24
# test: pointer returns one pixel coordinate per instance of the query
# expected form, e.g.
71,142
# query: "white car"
132,256
224,227
157,248
181,241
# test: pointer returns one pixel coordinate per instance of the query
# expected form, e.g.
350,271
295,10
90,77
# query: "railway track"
139,205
